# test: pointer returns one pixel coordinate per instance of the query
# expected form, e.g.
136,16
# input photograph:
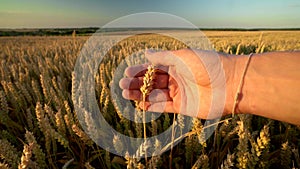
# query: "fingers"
154,96
140,70
159,82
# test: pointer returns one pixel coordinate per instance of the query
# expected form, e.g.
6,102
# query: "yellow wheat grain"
60,124
25,159
285,154
82,135
228,162
243,154
198,128
69,114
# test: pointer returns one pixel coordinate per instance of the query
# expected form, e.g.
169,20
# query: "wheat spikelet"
140,166
198,128
15,96
153,163
107,159
82,135
36,90
36,149
285,154
62,140
166,122
153,126
181,124
189,145
243,133
43,125
25,159
228,162
202,162
45,89
74,86
60,124
54,98
8,153
24,91
106,102
116,106
148,81
69,114
87,165
3,102
50,113
131,161
118,144
3,166
295,152
29,119
3,109
263,140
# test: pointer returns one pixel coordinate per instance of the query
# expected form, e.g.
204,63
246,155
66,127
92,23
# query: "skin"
271,85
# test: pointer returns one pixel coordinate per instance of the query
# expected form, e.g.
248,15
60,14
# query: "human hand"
183,83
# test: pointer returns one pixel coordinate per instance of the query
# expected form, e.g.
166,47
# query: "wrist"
234,66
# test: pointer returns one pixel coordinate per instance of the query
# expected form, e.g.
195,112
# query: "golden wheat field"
40,128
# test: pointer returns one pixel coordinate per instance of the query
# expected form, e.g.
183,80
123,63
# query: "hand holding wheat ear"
182,81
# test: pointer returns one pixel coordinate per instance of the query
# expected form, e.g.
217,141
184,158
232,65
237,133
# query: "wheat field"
40,128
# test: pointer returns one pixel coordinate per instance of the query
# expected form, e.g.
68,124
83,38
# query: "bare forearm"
271,86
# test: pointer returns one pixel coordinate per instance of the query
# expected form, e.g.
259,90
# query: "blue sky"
202,13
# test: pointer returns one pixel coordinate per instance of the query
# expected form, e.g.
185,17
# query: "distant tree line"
47,32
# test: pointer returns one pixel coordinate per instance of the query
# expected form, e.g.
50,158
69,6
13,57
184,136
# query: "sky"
202,13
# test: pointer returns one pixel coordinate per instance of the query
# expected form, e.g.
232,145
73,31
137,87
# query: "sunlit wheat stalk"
145,90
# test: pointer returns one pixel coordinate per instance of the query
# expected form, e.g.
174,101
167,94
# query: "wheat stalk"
146,89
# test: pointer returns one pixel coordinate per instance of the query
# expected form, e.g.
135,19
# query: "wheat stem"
146,89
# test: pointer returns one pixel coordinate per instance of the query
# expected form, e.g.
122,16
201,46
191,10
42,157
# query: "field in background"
37,115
